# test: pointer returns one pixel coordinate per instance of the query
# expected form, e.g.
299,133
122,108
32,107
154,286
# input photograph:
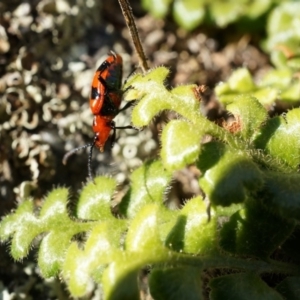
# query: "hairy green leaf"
175,154
241,83
225,12
143,246
94,200
176,284
100,248
158,8
227,176
189,14
149,184
246,286
250,114
254,231
154,97
24,226
281,26
289,288
193,232
120,279
143,234
280,137
282,194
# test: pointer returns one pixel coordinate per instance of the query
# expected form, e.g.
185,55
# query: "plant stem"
243,264
237,143
129,19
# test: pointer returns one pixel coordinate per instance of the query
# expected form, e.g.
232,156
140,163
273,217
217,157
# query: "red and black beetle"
105,100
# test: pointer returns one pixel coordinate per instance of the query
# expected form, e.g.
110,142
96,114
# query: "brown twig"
128,16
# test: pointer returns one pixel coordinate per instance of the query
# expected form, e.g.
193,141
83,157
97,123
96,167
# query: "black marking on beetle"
94,94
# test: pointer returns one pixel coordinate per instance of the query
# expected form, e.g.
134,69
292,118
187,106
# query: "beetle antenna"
90,158
71,152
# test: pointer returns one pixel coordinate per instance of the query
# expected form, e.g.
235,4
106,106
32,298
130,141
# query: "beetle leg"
127,105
